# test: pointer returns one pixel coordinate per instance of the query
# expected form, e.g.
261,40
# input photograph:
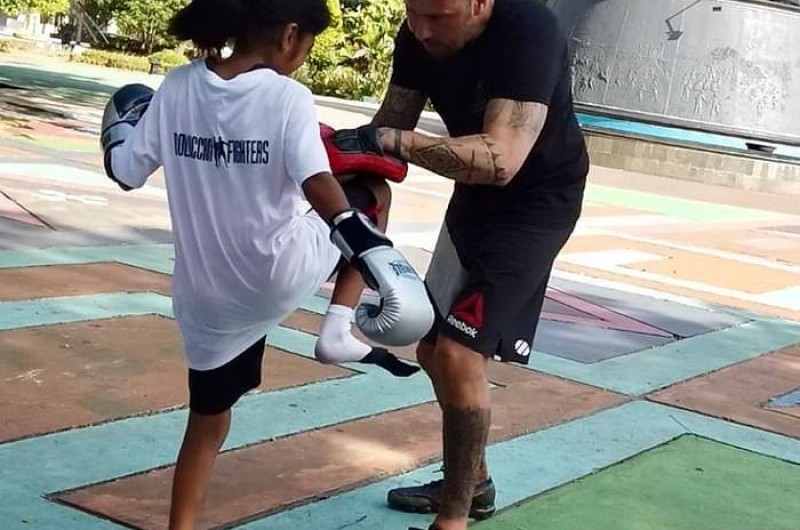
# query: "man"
497,73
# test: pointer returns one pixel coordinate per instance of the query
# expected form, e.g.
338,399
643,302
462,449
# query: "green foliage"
371,28
147,20
46,7
103,11
113,60
10,7
352,59
168,59
327,49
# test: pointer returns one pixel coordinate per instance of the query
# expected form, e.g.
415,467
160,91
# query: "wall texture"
730,66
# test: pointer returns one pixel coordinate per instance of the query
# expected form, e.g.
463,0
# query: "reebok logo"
462,326
470,310
467,315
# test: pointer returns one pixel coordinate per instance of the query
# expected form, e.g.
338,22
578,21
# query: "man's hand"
358,152
363,139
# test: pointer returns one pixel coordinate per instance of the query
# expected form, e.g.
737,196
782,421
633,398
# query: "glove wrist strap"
354,234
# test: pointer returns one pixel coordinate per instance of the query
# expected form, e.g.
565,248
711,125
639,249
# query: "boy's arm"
130,136
325,195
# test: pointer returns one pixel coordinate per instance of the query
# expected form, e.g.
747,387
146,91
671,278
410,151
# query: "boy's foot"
425,499
389,362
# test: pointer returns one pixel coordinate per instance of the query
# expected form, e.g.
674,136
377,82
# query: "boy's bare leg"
202,441
336,342
349,284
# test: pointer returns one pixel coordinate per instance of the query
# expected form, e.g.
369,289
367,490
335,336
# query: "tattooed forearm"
466,431
469,160
492,157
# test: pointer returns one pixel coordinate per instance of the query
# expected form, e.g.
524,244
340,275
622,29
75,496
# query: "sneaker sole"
479,514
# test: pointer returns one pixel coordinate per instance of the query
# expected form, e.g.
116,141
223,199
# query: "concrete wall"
729,169
730,66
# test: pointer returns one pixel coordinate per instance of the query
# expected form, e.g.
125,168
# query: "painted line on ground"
532,464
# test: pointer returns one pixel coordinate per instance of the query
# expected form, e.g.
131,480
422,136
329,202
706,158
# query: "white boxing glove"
122,112
405,313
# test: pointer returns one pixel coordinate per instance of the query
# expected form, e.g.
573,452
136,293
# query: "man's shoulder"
524,16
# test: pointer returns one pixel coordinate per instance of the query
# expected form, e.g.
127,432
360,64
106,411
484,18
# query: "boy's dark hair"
210,24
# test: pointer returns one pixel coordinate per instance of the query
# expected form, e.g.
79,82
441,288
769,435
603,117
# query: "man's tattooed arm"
400,109
466,431
493,157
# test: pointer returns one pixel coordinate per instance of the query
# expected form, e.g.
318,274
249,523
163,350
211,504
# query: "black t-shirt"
522,55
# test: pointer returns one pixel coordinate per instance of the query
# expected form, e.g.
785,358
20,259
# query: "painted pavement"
663,390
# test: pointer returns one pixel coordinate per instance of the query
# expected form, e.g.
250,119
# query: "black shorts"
488,286
215,391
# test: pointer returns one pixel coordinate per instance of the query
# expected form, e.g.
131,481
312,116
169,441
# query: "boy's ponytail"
209,24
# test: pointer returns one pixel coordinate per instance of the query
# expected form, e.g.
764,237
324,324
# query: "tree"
101,11
46,8
147,20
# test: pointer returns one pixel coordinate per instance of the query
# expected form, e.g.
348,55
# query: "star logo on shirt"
221,151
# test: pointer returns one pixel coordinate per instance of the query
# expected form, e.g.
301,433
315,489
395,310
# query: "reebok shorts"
488,285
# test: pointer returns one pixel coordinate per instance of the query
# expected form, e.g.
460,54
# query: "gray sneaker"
425,499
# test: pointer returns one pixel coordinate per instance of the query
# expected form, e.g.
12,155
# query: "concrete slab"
741,393
11,152
311,465
691,266
586,344
750,240
787,229
679,319
786,404
9,209
30,283
791,399
700,484
597,257
72,375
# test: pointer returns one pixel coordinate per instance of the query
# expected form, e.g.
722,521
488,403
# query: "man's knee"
452,360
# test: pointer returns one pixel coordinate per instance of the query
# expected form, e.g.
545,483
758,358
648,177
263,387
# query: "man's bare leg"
459,377
425,352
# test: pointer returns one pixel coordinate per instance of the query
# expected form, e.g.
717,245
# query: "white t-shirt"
235,153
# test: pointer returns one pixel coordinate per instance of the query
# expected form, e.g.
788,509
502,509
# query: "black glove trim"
109,171
362,139
354,234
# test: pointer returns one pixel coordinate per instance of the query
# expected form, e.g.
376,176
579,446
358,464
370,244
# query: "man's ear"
479,7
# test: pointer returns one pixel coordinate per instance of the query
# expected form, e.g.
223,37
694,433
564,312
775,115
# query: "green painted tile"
690,210
690,483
